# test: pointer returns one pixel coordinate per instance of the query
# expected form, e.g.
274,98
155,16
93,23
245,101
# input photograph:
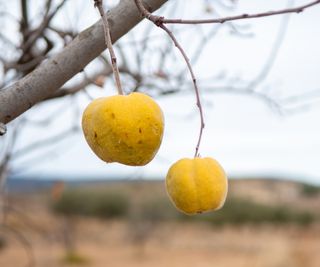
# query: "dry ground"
168,244
172,245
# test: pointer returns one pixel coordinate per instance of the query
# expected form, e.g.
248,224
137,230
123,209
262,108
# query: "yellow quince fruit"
197,185
127,129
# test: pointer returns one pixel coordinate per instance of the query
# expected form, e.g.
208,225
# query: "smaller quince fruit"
197,185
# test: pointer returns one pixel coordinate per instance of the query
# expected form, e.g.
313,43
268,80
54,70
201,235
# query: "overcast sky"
242,132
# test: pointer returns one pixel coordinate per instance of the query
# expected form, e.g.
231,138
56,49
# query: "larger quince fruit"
127,129
197,185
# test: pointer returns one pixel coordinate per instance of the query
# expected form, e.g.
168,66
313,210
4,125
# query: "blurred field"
265,223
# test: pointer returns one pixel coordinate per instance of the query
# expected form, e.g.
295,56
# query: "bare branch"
298,9
25,16
307,96
23,241
81,85
24,66
54,72
37,33
25,218
42,143
264,72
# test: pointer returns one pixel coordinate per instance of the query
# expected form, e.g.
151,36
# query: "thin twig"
24,242
147,14
299,9
106,27
42,27
280,37
28,149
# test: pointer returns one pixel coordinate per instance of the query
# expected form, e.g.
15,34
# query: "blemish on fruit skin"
140,130
113,116
140,142
95,135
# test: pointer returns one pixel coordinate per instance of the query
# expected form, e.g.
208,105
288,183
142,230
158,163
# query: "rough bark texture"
54,72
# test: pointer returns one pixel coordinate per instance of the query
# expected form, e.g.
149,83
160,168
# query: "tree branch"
53,73
39,31
24,241
298,9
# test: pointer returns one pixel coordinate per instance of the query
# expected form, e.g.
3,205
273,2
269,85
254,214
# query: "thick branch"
53,73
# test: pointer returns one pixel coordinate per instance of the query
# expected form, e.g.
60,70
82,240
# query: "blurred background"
259,83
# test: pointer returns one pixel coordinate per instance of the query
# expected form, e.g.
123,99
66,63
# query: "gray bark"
54,72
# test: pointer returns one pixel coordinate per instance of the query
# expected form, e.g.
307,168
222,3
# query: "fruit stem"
158,21
106,27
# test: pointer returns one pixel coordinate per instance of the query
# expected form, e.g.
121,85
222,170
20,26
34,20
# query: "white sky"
242,132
